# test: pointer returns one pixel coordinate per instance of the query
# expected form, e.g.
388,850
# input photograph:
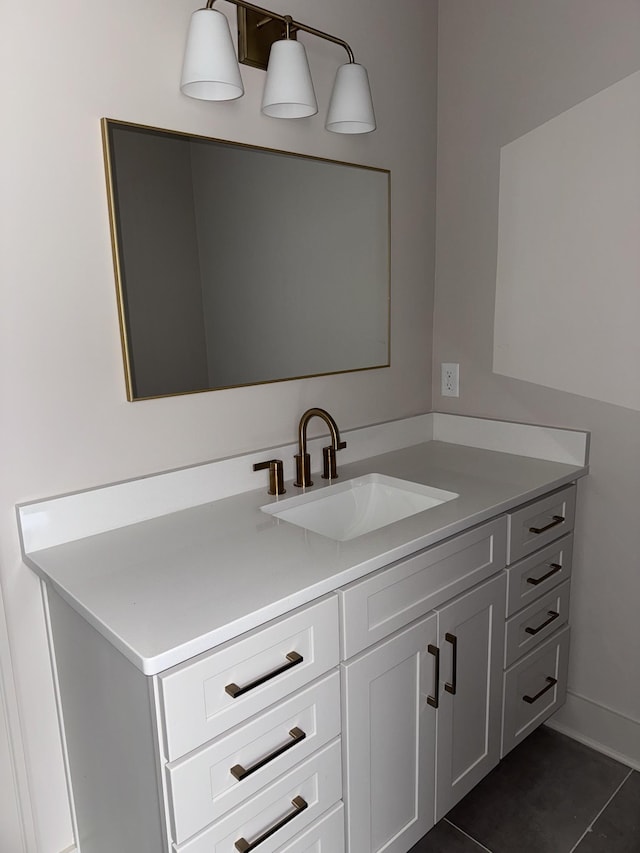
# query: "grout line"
466,834
590,826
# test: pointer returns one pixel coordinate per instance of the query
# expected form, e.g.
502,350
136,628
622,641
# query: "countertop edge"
156,664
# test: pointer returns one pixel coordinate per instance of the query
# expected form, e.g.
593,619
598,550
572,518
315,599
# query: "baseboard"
599,727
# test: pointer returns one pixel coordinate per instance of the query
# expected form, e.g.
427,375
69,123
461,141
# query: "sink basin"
346,510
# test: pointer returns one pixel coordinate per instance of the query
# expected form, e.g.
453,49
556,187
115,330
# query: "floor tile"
617,830
541,797
445,838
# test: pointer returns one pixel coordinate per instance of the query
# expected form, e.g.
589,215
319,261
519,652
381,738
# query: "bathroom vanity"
229,681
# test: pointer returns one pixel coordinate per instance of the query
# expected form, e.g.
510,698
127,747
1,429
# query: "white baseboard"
599,727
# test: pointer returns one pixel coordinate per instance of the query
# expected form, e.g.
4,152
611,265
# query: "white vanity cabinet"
233,750
389,740
471,643
207,695
434,686
254,747
536,654
348,725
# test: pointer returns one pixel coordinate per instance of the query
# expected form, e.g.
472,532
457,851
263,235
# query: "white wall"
65,423
568,250
505,68
11,830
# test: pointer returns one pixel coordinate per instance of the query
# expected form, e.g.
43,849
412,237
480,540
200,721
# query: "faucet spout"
303,458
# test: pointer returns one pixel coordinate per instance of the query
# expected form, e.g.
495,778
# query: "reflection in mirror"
238,265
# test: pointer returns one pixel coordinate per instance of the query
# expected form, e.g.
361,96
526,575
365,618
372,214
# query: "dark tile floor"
549,795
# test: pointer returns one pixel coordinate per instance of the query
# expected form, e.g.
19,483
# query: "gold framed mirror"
238,265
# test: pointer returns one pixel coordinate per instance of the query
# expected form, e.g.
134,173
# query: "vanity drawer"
526,629
326,835
207,783
534,688
292,802
530,578
540,522
383,602
209,694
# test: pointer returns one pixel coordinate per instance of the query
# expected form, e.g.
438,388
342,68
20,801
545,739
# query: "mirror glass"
238,265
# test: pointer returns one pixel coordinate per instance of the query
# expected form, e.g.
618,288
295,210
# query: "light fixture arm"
290,23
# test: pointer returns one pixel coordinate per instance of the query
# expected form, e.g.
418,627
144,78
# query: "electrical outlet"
450,379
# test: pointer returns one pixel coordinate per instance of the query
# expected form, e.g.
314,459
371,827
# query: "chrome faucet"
303,459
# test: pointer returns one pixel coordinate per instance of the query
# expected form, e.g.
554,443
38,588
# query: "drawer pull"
241,772
299,805
433,700
555,567
557,519
550,682
450,687
552,614
293,658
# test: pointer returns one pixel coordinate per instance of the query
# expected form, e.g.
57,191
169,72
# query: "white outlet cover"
450,379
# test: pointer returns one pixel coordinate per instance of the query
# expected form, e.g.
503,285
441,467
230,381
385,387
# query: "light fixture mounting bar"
263,34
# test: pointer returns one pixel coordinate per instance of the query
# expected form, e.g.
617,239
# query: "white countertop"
165,589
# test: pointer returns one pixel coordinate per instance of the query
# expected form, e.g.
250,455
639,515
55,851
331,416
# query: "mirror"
238,265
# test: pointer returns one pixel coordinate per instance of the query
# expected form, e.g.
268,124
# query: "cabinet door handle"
550,682
552,614
244,846
450,687
293,659
555,567
557,519
433,700
241,772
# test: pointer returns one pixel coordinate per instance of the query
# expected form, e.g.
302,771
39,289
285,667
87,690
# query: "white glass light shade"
288,89
351,106
210,68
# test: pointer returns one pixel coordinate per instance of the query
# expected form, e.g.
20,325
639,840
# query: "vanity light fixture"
211,72
288,89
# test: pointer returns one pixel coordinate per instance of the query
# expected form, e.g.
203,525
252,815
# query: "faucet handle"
276,475
329,468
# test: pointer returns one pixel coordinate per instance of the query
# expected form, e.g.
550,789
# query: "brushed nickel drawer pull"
450,687
552,614
433,700
555,567
293,659
244,846
550,682
557,519
241,772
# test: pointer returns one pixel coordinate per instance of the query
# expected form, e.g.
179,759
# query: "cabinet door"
471,641
389,741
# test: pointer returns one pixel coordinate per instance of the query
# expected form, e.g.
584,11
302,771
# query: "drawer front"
278,812
207,783
326,835
534,688
373,608
535,623
534,576
196,697
540,522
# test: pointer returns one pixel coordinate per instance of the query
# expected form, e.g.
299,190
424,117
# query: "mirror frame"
106,124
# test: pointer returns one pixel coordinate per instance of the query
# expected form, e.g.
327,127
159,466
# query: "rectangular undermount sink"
349,509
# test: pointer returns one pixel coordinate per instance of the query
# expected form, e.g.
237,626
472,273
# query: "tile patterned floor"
549,795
